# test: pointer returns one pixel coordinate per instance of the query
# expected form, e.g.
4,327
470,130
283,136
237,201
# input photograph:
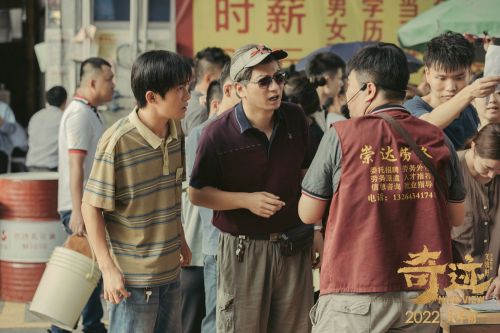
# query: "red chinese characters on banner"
227,11
372,6
408,9
336,13
372,27
283,15
336,7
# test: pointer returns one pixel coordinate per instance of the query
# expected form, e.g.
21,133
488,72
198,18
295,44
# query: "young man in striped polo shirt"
134,197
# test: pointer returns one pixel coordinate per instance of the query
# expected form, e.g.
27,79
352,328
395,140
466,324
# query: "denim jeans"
158,314
92,312
192,299
210,279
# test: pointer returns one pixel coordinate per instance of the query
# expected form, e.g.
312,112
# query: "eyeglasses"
265,82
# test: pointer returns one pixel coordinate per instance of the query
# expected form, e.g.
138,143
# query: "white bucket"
65,287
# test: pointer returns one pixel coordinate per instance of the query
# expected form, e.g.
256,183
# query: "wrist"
468,92
106,265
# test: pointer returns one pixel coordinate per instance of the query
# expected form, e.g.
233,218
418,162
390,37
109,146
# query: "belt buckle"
275,237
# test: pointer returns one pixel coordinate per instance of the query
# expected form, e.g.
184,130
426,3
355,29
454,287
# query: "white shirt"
80,129
43,132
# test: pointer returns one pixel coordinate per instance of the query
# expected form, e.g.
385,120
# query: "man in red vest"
385,204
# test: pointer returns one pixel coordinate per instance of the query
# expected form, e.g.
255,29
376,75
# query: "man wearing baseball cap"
248,169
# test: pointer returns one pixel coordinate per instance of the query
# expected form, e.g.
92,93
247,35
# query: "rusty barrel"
29,231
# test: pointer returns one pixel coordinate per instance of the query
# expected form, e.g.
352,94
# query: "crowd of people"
232,178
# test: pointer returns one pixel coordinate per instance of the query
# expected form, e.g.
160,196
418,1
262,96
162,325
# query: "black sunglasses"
265,82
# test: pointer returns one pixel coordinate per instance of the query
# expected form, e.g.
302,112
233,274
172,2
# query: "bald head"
96,81
92,67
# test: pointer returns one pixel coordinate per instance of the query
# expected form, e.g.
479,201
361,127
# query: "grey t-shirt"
322,178
43,130
196,113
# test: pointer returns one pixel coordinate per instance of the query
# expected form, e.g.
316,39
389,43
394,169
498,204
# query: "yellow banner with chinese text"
299,26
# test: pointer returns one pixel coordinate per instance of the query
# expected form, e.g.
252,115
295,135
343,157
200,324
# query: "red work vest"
386,205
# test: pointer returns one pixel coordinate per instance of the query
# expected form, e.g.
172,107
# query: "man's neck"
434,102
378,103
201,88
156,124
83,93
258,118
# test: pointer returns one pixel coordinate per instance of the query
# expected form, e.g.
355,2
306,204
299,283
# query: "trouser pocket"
225,313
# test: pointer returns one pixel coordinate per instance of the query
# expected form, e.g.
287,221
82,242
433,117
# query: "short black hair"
225,74
385,65
206,59
449,52
323,63
299,90
214,91
56,96
158,71
92,63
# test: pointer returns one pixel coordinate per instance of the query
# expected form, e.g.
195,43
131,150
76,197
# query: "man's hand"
264,204
483,87
114,284
76,223
494,289
186,254
456,295
317,249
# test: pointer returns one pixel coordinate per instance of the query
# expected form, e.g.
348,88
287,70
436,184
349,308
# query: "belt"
273,237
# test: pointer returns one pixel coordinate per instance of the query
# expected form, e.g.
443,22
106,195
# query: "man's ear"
92,83
426,72
226,89
150,97
240,90
207,78
371,91
214,106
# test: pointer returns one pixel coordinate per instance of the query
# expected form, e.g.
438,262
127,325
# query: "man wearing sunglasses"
248,169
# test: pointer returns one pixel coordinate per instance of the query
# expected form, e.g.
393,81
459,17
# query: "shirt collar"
83,100
245,125
389,107
151,138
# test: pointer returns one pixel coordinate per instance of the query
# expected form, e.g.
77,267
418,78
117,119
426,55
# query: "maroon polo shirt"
233,156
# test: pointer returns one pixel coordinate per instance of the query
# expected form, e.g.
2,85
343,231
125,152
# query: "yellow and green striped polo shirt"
136,179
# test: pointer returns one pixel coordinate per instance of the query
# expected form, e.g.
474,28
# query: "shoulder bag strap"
439,180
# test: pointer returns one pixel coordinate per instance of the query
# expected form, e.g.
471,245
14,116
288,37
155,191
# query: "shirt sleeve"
191,147
9,119
416,106
78,132
454,177
206,171
323,176
100,188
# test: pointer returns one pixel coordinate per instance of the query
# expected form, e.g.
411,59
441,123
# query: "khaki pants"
374,313
266,292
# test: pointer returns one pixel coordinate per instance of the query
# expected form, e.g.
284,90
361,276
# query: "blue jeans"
92,312
158,314
210,279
